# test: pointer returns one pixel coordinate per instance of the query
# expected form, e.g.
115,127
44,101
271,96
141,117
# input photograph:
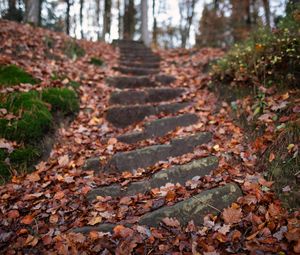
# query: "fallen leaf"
27,220
232,215
95,220
170,222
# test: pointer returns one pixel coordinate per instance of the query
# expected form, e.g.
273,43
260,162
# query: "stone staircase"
144,93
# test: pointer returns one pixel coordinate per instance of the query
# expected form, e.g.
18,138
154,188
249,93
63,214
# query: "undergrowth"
261,80
11,75
30,119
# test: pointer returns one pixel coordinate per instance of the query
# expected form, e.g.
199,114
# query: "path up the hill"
142,91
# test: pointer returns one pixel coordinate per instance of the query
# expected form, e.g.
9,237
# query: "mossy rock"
73,50
61,99
74,84
96,61
12,75
34,122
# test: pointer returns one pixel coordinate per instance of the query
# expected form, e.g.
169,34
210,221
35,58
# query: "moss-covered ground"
13,75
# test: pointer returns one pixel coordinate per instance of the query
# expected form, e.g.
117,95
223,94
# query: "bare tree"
129,19
69,4
154,29
81,18
187,11
32,11
106,18
267,11
145,31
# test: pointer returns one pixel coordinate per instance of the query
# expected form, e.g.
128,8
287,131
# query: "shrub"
12,75
268,56
96,61
61,99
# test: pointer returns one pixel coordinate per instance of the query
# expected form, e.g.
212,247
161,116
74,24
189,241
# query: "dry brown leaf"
232,215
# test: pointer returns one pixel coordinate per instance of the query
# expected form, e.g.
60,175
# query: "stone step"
160,127
195,208
123,116
177,174
130,97
148,156
138,53
137,64
140,58
136,70
211,201
124,82
127,42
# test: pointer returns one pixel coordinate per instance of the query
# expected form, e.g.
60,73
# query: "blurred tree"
154,28
81,18
144,15
69,4
12,13
129,20
106,18
33,11
187,11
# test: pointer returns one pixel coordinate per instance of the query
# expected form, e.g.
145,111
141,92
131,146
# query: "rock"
150,95
139,64
195,208
147,156
159,128
177,174
123,116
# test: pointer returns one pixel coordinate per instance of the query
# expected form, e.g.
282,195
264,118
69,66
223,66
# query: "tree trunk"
97,14
81,18
32,11
106,18
154,30
267,12
119,19
145,31
129,20
68,16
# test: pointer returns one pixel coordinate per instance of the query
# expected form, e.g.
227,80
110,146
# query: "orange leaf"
27,220
59,195
171,195
232,215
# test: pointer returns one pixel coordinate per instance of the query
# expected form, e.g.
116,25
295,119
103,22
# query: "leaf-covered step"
195,208
211,201
139,64
130,97
124,82
140,58
148,156
159,128
177,174
123,116
136,70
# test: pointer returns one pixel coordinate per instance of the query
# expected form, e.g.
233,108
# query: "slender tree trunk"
145,31
98,18
185,30
154,30
129,19
266,4
68,2
119,19
12,5
81,18
106,18
32,11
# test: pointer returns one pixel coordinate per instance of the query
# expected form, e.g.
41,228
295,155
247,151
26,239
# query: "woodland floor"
38,211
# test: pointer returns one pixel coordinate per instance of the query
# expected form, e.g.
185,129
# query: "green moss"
73,50
35,118
24,156
4,168
61,99
96,61
13,75
74,84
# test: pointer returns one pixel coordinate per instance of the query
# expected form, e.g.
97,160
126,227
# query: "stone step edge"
176,174
210,201
148,128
